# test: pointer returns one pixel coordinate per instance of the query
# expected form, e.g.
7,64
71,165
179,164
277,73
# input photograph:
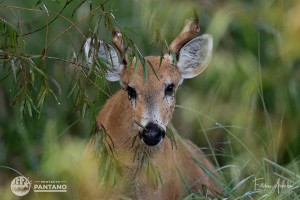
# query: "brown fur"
117,117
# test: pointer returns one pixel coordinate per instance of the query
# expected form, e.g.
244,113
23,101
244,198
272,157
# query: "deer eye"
169,89
131,92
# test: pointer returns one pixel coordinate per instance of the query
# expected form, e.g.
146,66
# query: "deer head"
152,102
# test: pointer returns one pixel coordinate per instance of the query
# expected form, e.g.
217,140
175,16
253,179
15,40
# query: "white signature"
279,185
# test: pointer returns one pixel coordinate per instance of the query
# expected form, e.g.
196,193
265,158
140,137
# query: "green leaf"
101,171
113,175
72,90
145,69
29,108
45,8
152,68
171,131
77,7
39,2
83,110
22,106
196,17
154,178
142,59
32,77
173,54
119,168
148,170
32,103
160,177
54,95
135,68
209,173
33,65
161,59
41,100
35,56
187,188
14,69
107,170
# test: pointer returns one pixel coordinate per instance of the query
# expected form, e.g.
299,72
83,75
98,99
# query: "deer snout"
152,134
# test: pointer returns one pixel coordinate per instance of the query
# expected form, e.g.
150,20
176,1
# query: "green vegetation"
243,111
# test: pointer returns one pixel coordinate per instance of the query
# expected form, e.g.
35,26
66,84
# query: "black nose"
152,134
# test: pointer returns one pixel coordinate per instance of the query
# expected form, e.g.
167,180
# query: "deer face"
152,101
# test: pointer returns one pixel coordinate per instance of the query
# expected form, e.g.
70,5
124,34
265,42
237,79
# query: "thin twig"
37,10
67,29
140,125
66,4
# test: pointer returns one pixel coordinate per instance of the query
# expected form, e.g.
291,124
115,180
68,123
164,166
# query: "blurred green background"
245,106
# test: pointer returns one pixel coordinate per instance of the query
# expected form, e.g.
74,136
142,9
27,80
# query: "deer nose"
152,134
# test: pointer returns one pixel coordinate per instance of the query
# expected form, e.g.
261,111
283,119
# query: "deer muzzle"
152,134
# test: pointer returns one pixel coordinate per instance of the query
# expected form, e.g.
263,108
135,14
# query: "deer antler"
118,42
190,30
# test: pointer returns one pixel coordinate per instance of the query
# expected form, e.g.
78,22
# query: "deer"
138,115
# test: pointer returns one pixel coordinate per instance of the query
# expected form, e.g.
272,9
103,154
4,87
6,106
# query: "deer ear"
107,54
195,56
